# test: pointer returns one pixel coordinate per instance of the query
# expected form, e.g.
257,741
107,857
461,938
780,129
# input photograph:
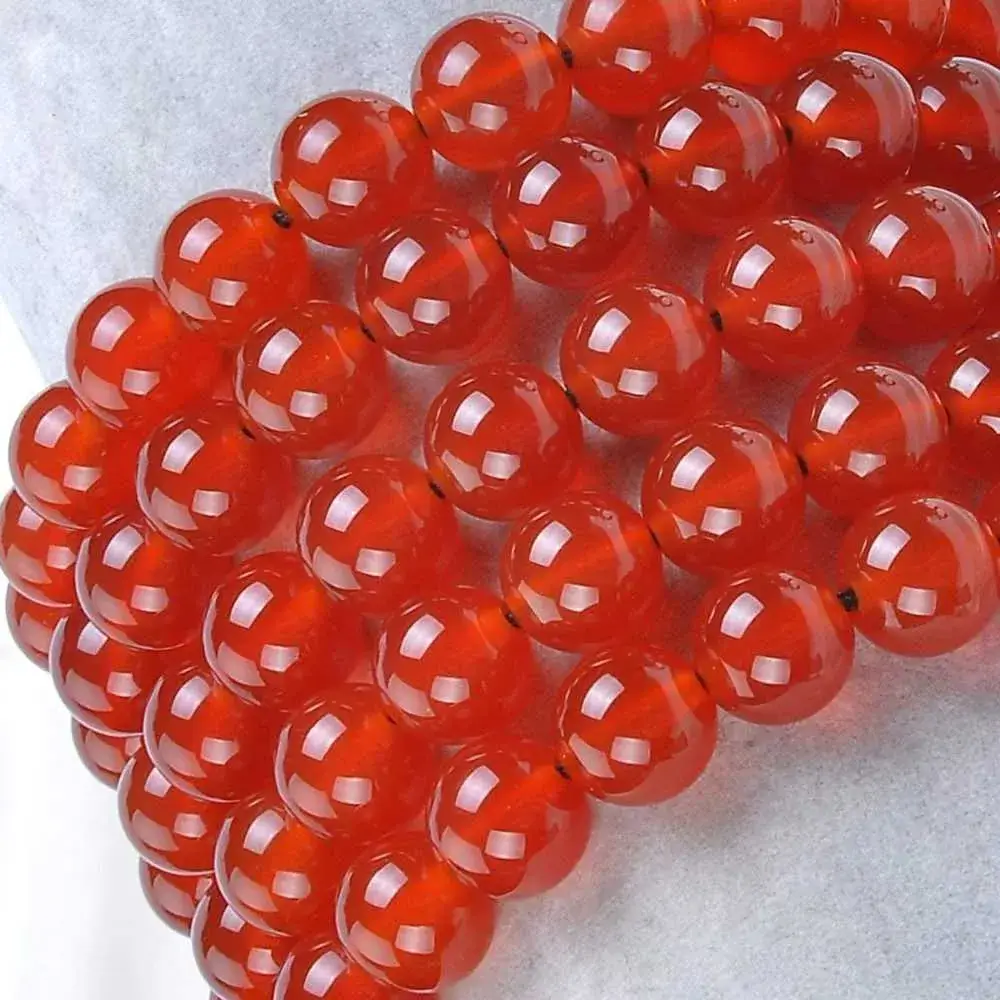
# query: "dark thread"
510,617
567,55
789,134
282,218
803,468
246,432
652,534
574,402
435,489
848,599
503,249
716,317
561,771
643,173
421,126
368,333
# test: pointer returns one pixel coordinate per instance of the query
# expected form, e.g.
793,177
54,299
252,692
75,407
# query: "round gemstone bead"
572,212
317,968
489,87
103,755
451,667
973,29
349,165
173,897
582,571
434,289
923,571
502,438
928,260
715,158
635,724
991,213
628,57
723,495
225,262
32,626
772,646
905,33
407,918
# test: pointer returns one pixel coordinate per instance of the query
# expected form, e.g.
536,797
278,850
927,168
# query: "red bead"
788,295
991,213
32,626
68,465
723,495
451,667
923,571
407,918
989,510
582,571
133,361
905,33
715,158
571,213
502,438
344,768
103,755
635,725
171,896
318,969
225,263
349,165
973,29
507,820
434,289
852,123
640,359
629,57
772,646
928,261
488,88
375,534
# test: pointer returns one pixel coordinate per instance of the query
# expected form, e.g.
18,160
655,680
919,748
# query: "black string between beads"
848,599
567,55
435,489
716,317
282,218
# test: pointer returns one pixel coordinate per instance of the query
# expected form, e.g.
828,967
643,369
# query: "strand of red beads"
327,822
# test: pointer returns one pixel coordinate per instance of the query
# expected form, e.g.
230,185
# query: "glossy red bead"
103,755
991,213
173,897
32,626
350,164
488,88
973,29
715,158
318,968
571,212
924,572
989,511
905,33
635,724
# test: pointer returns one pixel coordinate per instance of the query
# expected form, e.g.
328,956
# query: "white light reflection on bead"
836,411
170,512
630,750
543,608
488,117
814,99
250,603
607,331
313,204
538,182
773,670
352,791
415,940
548,543
323,973
968,377
346,192
189,698
467,476
600,14
268,414
124,544
887,234
419,636
471,412
786,317
924,287
151,600
317,140
307,405
601,695
740,615
401,259
450,690
181,451
506,845
752,266
227,291
889,542
322,735
638,383
917,601
431,312
635,60
567,234
374,562
500,465
691,468
384,885
475,789
850,149
216,751
594,761
344,508
262,831
210,503
52,426
767,26
80,477
198,239
578,598
411,700
864,463
708,178
678,129
279,348
110,327
931,97
456,64
720,521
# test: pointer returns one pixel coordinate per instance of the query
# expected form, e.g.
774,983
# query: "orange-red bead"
103,755
635,725
571,212
32,626
989,510
502,438
640,359
973,29
905,33
924,572
350,164
991,213
317,968
773,646
488,88
173,897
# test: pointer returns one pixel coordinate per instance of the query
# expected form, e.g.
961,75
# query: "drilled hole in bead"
803,467
643,172
716,317
503,249
848,599
435,489
282,218
574,402
567,55
368,333
789,134
561,771
652,534
511,618
247,433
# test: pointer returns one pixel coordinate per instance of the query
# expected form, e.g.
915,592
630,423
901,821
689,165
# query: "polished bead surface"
225,263
905,33
571,212
434,289
928,260
723,495
501,438
991,213
715,157
451,667
103,755
506,820
350,164
317,968
488,88
32,626
173,897
629,57
407,918
973,29
924,571
640,359
772,646
989,511
635,724
852,123
582,571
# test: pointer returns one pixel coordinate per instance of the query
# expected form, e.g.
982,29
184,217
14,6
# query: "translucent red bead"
104,755
173,897
32,626
973,29
905,33
989,511
317,968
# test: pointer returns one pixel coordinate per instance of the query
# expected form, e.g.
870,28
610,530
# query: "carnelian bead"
572,212
772,646
582,571
991,213
989,510
32,626
723,495
629,57
973,29
852,125
318,969
171,829
787,295
67,464
344,768
715,158
133,361
407,918
451,667
373,531
640,359
173,897
103,755
434,289
928,260
350,164
506,820
488,88
905,33
923,572
274,636
635,725
502,438
226,261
